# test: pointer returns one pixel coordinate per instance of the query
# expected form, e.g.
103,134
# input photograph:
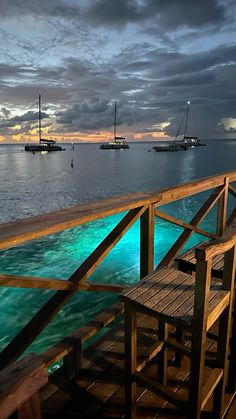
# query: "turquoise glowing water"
59,255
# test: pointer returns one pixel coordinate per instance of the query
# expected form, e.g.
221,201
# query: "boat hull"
170,148
113,146
40,147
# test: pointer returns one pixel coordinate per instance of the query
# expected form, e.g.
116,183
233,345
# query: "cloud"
11,8
6,112
171,13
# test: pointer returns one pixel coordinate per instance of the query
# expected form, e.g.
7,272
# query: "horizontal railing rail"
143,206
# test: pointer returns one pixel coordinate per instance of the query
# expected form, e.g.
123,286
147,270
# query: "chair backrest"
204,254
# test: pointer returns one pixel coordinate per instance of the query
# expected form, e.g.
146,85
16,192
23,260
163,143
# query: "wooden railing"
137,206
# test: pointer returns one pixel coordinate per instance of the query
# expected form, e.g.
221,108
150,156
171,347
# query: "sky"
151,56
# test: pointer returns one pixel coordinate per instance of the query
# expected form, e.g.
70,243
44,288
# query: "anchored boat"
187,140
118,143
170,147
43,144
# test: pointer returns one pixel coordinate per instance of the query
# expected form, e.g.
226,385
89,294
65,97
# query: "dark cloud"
171,13
81,66
11,8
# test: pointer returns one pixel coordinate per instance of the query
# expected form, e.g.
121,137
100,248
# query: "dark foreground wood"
97,391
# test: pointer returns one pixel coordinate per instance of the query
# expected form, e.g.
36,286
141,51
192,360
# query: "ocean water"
36,183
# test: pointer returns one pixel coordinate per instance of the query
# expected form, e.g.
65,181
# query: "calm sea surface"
36,183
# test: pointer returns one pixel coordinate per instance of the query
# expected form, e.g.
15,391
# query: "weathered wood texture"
27,335
193,304
197,219
138,205
21,231
211,250
16,281
98,390
19,384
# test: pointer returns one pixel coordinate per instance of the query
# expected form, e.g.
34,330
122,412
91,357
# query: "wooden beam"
181,223
27,335
197,219
147,241
8,280
222,210
21,231
89,265
191,188
210,250
19,382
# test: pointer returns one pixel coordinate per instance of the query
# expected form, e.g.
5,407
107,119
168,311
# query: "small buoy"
72,163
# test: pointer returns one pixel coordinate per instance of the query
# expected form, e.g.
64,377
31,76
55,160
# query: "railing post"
147,241
222,209
73,361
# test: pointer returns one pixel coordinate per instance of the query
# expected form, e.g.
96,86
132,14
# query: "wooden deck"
97,391
90,380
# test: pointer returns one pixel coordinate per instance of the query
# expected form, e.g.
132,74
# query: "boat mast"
115,124
186,121
39,118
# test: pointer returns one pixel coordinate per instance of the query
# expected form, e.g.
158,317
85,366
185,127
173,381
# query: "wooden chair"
192,304
187,262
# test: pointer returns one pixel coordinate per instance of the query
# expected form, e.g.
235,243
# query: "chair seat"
168,294
187,262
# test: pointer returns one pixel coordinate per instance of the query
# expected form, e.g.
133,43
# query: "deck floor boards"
98,390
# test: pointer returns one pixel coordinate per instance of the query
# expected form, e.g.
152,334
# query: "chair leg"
179,339
162,356
196,375
232,358
130,361
221,360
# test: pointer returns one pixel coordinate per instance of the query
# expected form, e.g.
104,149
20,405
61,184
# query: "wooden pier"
101,378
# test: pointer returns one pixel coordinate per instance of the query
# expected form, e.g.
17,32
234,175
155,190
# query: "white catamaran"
118,143
43,144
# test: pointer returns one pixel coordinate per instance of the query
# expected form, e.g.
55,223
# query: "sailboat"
187,140
43,144
118,143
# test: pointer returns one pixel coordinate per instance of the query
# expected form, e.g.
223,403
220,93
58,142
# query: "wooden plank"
19,382
130,360
210,385
102,250
191,188
30,408
21,231
159,389
201,298
222,210
16,281
210,250
183,224
147,241
65,346
183,238
27,335
159,289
